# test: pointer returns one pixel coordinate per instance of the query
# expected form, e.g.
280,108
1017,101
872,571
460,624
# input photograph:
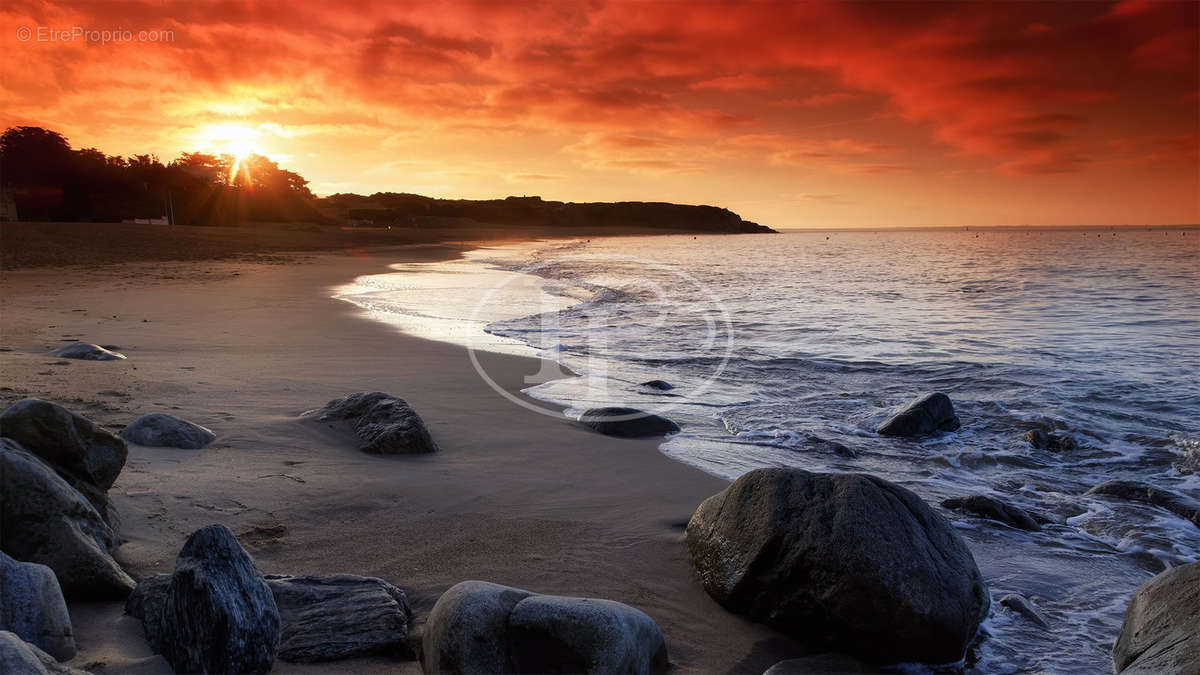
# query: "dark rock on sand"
627,422
1183,506
1043,440
849,561
321,618
480,627
383,424
87,352
88,457
339,617
1021,605
1161,632
552,634
661,385
822,664
44,520
924,416
32,606
18,656
167,431
994,509
825,445
219,615
467,629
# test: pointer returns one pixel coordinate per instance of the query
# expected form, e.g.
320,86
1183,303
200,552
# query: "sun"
235,140
231,139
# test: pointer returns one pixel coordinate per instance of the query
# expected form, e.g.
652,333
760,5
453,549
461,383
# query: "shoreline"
513,497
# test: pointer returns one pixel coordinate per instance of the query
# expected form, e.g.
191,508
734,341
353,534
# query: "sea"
790,349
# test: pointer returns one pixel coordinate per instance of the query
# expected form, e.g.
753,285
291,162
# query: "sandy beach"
244,347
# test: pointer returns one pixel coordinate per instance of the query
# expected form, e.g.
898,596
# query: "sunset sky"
796,114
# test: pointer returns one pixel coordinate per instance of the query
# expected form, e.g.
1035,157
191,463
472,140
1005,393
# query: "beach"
244,346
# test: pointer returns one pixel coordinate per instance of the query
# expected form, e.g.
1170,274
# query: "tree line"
50,181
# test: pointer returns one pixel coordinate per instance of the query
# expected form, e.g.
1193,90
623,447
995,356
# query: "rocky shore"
261,499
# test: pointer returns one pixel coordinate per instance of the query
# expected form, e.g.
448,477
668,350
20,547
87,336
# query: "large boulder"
848,561
1161,632
18,656
924,416
44,520
480,627
1181,505
88,457
467,629
167,431
994,509
383,424
87,351
32,606
552,634
339,617
219,615
627,422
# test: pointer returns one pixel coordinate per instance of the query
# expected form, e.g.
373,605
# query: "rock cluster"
46,521
86,456
481,627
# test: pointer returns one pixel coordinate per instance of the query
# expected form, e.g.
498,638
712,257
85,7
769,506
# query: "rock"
18,656
219,615
383,424
1161,632
32,606
994,509
627,422
467,629
1183,506
167,431
87,352
825,445
824,664
924,416
88,457
1043,440
848,561
321,618
339,617
1021,605
661,385
481,627
552,634
45,521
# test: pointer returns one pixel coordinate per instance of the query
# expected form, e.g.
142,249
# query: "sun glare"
232,139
